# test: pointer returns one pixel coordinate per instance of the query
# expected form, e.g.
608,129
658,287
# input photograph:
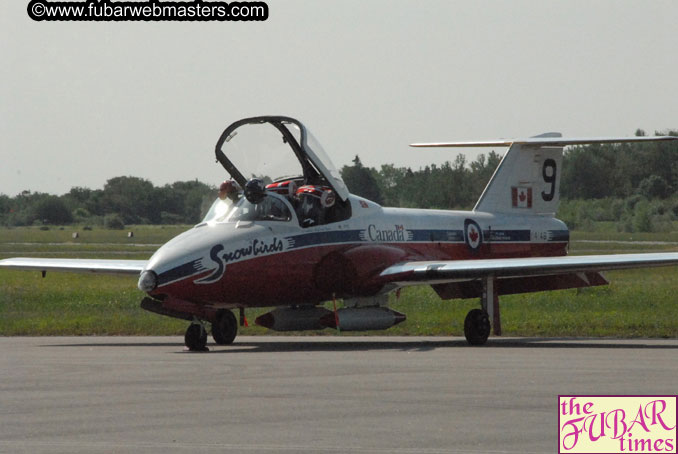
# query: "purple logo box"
614,424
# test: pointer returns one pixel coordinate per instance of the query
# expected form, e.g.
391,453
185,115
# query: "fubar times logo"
606,424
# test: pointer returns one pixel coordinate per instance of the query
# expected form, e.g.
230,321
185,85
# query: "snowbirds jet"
304,239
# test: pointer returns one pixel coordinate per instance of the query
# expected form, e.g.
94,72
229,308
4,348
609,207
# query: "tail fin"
527,179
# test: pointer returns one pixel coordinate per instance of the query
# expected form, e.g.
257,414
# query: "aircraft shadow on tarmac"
428,344
425,345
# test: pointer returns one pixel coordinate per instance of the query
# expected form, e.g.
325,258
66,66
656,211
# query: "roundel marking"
473,236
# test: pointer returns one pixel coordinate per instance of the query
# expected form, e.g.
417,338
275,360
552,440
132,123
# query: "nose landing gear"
224,330
196,336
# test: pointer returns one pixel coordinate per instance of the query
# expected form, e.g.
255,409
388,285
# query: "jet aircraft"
303,239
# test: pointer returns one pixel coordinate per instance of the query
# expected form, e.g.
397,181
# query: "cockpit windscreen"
258,150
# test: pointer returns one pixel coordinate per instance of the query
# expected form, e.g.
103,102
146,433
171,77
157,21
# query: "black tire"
224,328
195,338
477,327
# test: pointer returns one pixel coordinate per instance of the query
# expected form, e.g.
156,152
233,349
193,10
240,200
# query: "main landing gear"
477,323
224,330
477,327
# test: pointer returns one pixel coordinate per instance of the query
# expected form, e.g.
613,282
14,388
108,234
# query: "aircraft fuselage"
274,263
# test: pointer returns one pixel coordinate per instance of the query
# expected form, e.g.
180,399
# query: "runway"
335,394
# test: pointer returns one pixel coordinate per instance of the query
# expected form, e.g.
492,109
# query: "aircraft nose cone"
192,255
180,257
148,281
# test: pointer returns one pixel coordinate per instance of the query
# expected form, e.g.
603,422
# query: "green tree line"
123,200
589,172
634,185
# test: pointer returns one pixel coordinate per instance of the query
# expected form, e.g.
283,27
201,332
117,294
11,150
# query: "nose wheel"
196,337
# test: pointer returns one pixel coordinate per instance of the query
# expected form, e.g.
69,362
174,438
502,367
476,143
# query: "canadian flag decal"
521,197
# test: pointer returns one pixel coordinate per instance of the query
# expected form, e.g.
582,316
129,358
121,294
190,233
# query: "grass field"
638,303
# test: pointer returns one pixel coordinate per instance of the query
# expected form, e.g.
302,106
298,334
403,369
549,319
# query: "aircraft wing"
459,270
75,265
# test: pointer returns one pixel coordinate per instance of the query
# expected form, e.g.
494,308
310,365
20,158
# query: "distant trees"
449,185
132,198
621,170
655,187
185,201
362,181
114,222
124,200
633,185
51,210
34,208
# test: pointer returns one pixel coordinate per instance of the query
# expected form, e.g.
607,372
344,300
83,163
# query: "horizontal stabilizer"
527,181
545,142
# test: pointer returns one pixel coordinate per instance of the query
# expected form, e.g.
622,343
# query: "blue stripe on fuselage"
317,238
559,235
500,236
418,235
179,272
453,236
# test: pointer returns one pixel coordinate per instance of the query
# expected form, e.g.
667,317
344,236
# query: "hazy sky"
83,102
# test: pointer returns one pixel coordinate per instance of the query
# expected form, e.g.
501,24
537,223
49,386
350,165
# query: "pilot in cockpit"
229,194
230,190
313,202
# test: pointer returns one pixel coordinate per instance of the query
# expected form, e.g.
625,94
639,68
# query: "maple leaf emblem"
522,196
473,235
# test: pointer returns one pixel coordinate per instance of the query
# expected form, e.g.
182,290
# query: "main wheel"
477,327
224,328
195,338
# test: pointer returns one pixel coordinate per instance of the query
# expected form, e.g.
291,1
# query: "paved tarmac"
309,394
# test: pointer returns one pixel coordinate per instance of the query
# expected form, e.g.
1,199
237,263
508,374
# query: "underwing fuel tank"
294,319
363,318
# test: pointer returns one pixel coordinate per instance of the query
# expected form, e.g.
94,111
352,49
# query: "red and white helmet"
286,188
228,187
322,193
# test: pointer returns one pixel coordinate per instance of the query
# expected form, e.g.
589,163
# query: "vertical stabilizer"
526,181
